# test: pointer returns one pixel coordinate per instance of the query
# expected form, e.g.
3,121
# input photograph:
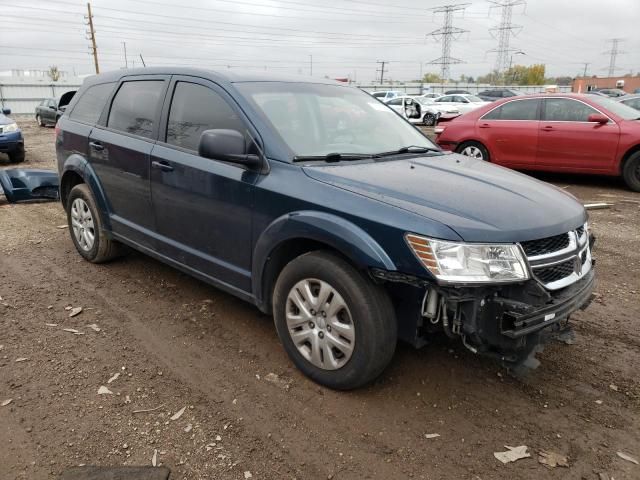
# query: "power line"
447,34
504,31
613,54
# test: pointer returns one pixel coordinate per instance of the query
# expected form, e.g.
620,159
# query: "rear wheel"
17,156
474,150
334,323
631,172
39,120
429,119
87,229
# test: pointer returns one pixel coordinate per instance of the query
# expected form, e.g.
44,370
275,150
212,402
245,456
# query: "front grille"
545,246
556,272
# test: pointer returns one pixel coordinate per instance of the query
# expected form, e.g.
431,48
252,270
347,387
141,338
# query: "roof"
231,76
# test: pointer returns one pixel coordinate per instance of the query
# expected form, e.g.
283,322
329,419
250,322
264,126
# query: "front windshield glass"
317,119
473,98
618,108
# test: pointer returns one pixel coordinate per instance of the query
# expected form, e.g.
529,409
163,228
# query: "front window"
473,98
623,111
318,119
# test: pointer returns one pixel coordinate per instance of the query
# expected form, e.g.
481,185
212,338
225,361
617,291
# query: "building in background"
627,83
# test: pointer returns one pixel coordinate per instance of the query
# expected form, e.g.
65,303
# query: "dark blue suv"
325,208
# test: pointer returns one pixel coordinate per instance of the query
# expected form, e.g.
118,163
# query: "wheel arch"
298,233
77,170
627,155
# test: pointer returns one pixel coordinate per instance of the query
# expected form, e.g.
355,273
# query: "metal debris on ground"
147,410
247,475
94,327
597,206
178,414
21,359
73,330
7,402
512,454
51,324
75,311
552,459
114,378
188,428
431,435
104,391
154,459
627,457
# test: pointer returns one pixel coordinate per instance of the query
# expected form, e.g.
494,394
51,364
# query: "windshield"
317,119
618,108
473,98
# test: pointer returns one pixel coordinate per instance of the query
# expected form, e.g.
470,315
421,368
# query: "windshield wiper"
409,149
334,157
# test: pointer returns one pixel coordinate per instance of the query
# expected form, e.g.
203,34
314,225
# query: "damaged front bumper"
506,322
19,184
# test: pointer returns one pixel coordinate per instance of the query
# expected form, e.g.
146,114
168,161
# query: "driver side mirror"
228,146
598,118
6,111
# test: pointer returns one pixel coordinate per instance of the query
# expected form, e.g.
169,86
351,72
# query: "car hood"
480,201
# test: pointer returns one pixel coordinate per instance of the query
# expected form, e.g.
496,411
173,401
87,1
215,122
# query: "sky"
333,38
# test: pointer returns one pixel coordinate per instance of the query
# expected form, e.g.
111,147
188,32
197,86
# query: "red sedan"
558,133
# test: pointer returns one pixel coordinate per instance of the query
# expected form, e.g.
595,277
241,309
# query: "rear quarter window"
91,103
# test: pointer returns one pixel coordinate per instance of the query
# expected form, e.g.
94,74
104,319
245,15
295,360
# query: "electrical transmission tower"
504,31
447,33
614,52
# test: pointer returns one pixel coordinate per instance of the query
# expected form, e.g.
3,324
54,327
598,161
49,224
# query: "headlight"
469,262
11,127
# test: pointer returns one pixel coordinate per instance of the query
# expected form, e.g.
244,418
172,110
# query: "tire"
631,172
429,119
475,150
18,155
39,120
363,324
81,206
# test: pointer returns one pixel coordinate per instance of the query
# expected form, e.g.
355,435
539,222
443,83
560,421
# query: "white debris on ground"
512,454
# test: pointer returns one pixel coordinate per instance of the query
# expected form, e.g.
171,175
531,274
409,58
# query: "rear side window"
566,110
516,110
135,106
90,104
194,109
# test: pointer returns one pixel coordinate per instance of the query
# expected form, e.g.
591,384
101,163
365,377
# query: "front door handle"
547,128
485,125
96,146
162,165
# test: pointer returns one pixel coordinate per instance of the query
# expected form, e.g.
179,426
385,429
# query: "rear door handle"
547,128
485,125
96,146
162,165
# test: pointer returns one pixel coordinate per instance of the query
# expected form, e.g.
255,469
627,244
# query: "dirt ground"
176,342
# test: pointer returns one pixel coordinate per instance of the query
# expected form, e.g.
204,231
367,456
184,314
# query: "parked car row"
428,112
49,110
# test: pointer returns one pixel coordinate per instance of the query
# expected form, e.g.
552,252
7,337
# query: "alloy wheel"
320,324
82,224
473,151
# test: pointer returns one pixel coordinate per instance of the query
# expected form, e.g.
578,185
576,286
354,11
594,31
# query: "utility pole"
586,65
142,60
447,33
504,31
92,32
126,62
381,70
613,54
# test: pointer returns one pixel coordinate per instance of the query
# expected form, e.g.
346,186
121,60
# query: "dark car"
11,141
457,92
610,92
324,208
498,93
49,110
632,101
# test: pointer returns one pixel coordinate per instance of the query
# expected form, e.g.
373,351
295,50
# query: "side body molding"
346,237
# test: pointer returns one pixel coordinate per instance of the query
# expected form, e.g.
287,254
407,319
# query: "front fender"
342,235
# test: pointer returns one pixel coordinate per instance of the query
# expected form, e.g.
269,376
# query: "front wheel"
474,150
335,324
18,155
39,120
631,172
